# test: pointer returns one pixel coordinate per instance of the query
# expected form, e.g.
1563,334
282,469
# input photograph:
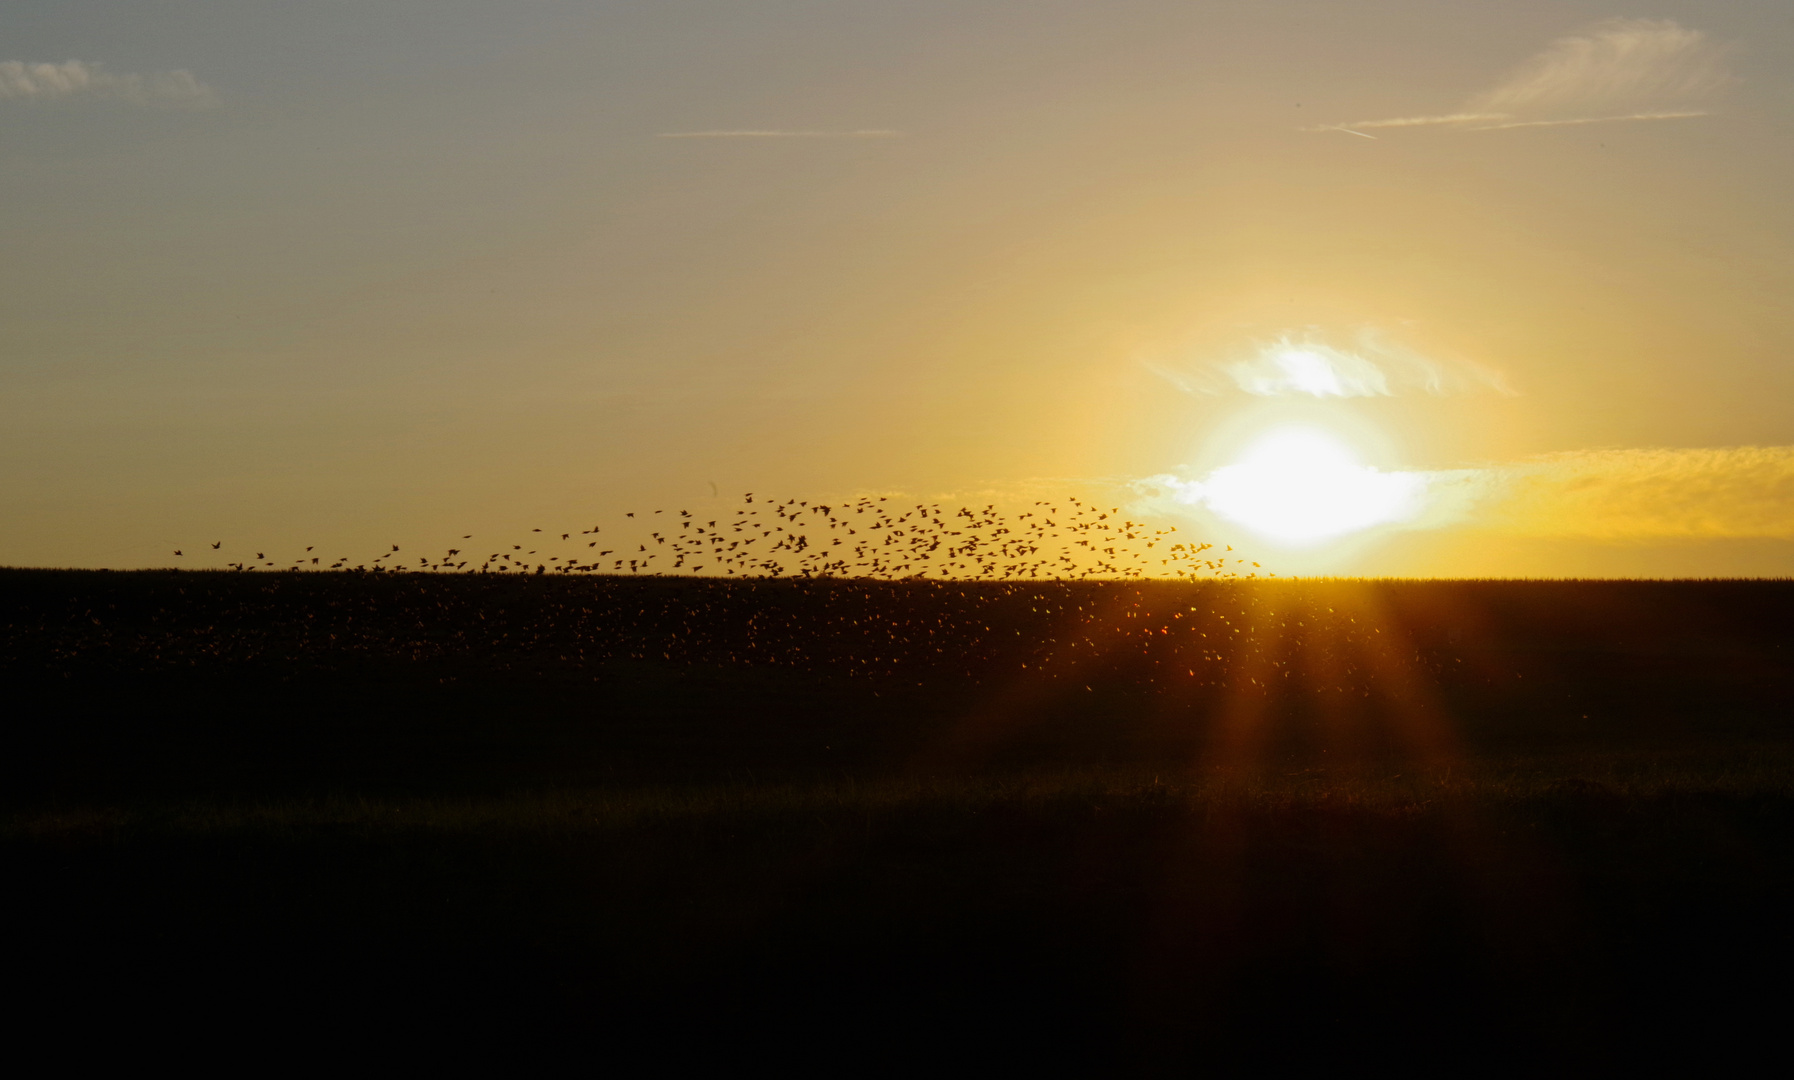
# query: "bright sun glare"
1300,486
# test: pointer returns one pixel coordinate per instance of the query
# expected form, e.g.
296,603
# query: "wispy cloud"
1644,494
1617,65
22,80
768,133
1296,366
1620,70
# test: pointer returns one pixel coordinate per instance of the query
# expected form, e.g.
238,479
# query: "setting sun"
1301,486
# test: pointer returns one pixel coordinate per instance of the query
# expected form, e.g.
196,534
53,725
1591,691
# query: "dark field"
1109,826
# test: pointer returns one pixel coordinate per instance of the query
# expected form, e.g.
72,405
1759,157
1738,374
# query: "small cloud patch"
79,79
1646,494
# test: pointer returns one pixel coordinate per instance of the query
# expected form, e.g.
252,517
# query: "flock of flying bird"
865,538
447,628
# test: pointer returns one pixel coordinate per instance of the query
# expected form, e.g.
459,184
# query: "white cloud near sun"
1305,366
1736,493
1616,70
76,79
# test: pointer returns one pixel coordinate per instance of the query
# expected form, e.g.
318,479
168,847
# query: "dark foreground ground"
1096,826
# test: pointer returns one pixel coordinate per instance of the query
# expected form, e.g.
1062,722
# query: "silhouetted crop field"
1117,824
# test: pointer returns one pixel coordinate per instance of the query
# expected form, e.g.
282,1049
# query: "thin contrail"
1683,115
1337,127
1449,119
866,133
1465,121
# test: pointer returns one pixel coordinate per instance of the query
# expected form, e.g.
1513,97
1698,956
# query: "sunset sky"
1425,288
